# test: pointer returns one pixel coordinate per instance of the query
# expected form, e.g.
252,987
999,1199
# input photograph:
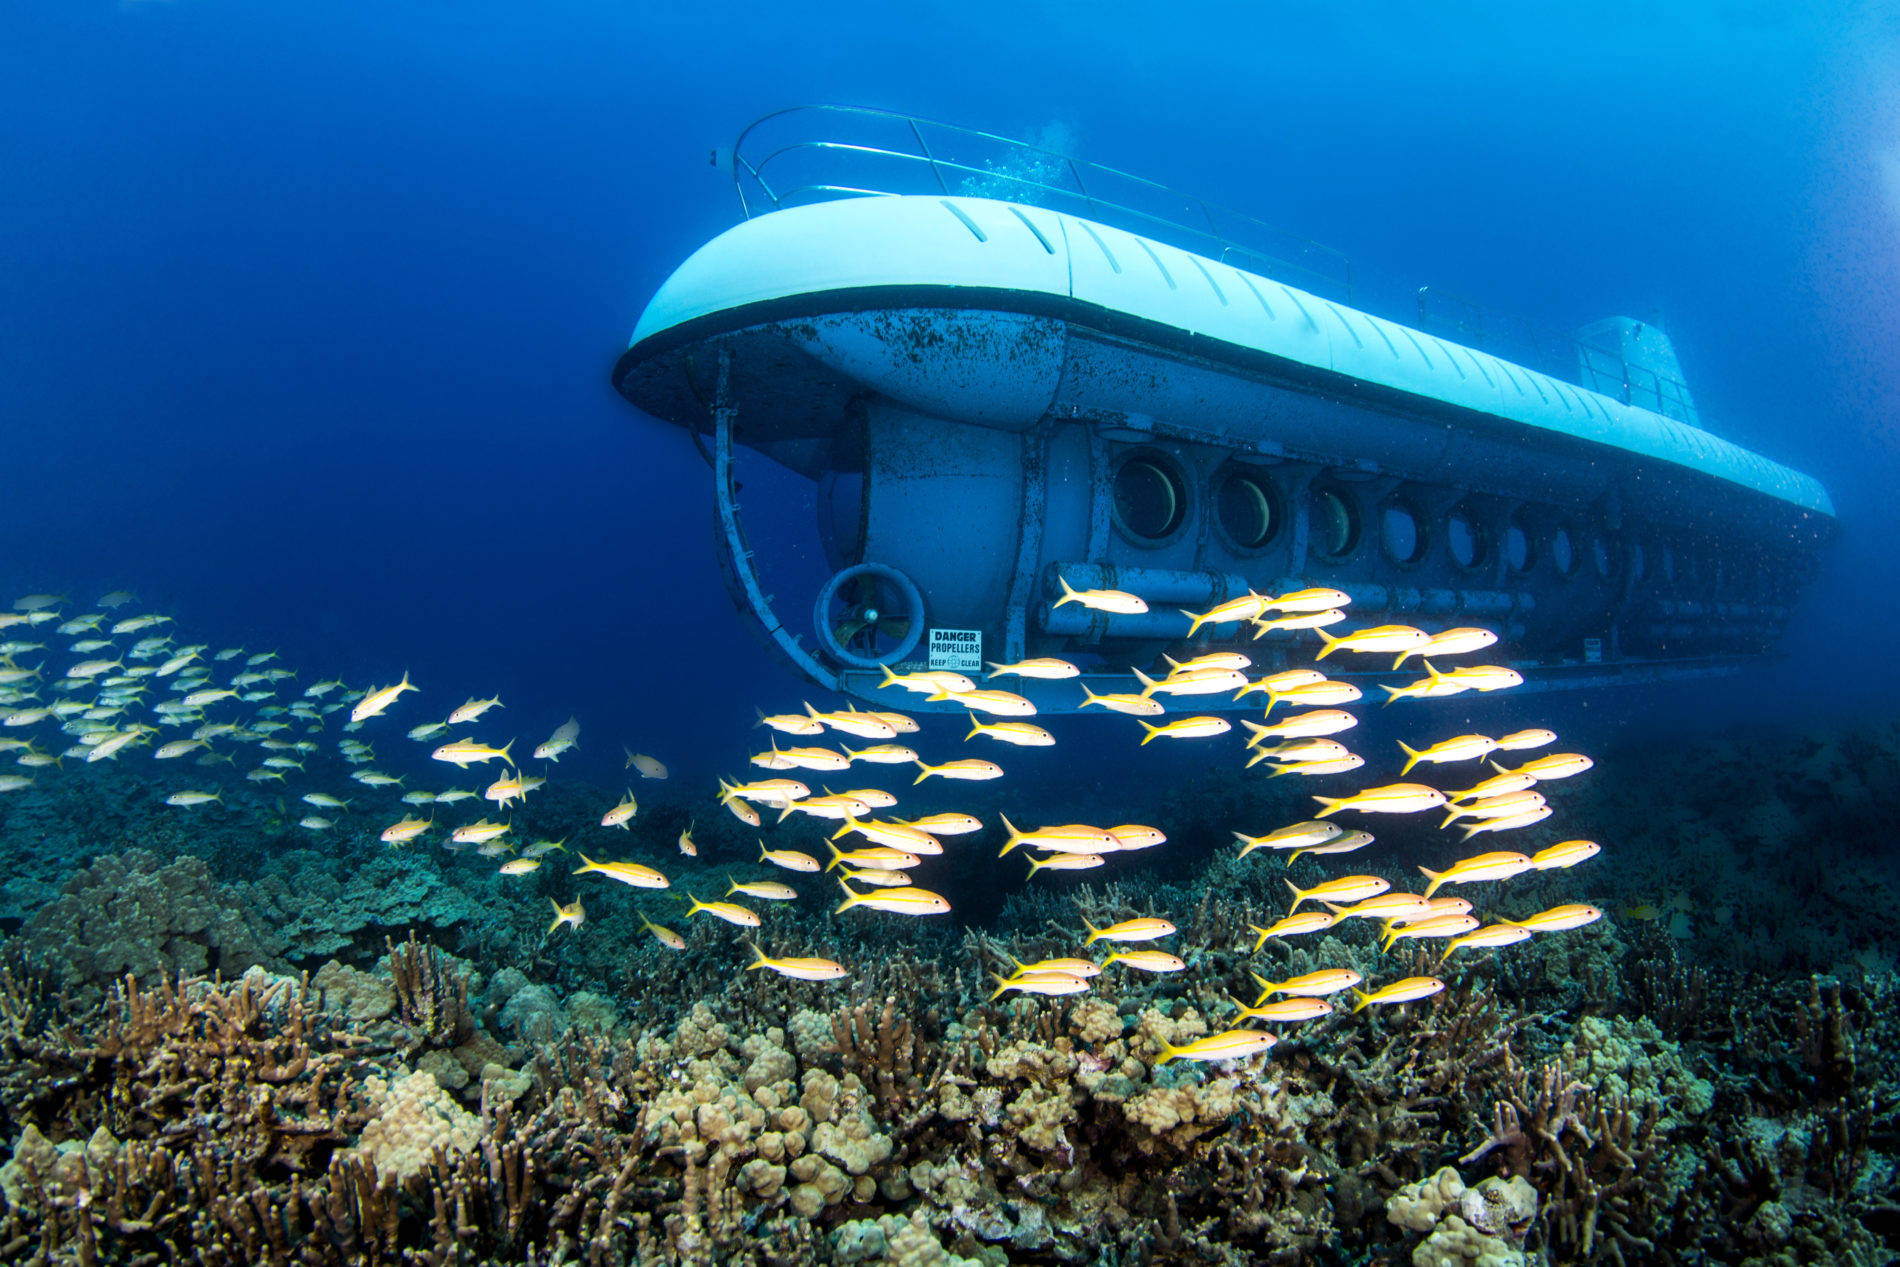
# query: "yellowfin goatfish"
791,723
999,703
619,815
1021,733
886,753
477,832
405,830
1388,906
1145,929
378,699
1186,728
1347,888
1048,668
1317,599
1450,924
1294,1009
1299,620
949,824
1066,862
963,768
1235,1044
472,709
880,856
1489,937
1477,869
1495,806
1560,765
565,736
853,722
1558,918
572,915
1508,822
901,901
1460,641
520,866
1039,983
1133,705
1193,682
1483,677
1334,765
1293,926
1136,836
1536,737
188,799
928,682
1296,836
1249,606
1345,842
1379,640
768,890
1068,838
626,872
1147,960
1317,984
896,835
790,859
1460,748
664,935
465,751
1113,602
1391,798
799,969
1565,854
1405,991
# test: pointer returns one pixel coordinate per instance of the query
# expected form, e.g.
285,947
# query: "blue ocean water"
309,309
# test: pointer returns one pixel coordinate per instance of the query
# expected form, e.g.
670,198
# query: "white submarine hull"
995,395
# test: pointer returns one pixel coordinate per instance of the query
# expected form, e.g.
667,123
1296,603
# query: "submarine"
1009,370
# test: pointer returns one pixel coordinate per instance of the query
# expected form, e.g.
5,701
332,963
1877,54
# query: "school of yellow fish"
125,692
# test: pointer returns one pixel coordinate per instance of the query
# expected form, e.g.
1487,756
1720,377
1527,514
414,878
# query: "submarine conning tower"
1003,378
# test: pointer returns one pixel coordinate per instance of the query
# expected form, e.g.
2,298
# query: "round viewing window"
1247,508
1150,497
1603,554
1400,535
1562,552
1335,522
1517,545
1464,539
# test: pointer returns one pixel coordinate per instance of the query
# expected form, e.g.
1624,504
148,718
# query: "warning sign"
957,649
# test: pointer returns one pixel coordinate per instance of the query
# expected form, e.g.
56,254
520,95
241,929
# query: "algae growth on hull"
226,1037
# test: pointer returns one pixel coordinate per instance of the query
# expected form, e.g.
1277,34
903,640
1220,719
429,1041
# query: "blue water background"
307,310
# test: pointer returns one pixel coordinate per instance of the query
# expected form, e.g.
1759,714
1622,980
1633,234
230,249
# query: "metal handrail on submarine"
1006,376
779,159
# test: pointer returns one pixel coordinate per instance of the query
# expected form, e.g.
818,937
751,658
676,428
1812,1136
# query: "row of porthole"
1151,502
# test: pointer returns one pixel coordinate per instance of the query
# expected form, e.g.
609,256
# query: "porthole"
1517,545
1150,497
1563,554
1401,536
1666,561
1464,539
1247,509
1639,562
1603,554
1334,522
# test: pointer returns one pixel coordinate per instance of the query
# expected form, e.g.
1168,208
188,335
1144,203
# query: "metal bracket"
735,556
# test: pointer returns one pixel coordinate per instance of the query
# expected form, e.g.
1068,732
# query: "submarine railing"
1042,176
